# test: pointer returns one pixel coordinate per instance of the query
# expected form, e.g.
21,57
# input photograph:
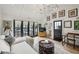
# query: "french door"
24,28
17,29
31,29
36,29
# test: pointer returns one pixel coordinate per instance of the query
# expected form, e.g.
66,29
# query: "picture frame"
48,18
73,13
68,24
54,15
7,23
61,13
76,25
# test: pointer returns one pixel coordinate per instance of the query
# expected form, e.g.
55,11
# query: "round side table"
46,48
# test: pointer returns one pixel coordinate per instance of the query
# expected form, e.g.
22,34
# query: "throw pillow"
9,39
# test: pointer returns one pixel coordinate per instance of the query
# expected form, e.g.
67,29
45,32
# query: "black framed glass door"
25,28
36,29
58,30
31,29
17,28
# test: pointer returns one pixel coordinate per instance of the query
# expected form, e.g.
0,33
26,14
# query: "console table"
71,37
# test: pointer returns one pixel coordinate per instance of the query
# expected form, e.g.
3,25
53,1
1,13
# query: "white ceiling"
24,11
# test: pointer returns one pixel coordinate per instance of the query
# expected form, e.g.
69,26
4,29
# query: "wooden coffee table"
46,48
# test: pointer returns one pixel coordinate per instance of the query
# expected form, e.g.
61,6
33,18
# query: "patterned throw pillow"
9,39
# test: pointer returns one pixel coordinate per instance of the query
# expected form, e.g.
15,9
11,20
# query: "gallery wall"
65,18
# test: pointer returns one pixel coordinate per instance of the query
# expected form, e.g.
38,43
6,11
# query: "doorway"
58,30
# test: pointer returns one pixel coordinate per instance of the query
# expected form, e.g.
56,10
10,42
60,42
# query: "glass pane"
57,25
17,28
31,29
36,29
25,24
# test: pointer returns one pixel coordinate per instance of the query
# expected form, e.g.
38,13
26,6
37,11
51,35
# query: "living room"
32,23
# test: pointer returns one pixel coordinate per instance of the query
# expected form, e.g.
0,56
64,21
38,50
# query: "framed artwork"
48,18
54,15
67,24
7,23
73,13
76,25
61,13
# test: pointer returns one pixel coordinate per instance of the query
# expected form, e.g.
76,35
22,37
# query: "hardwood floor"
71,49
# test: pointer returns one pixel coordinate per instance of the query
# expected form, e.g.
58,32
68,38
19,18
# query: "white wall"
66,8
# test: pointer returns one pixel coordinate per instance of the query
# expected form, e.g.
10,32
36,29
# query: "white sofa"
23,48
20,46
4,46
